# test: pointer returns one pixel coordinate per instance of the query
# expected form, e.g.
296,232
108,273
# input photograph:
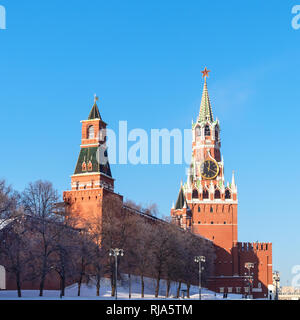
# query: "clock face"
209,169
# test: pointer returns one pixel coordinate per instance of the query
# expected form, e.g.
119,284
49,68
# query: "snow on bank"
88,292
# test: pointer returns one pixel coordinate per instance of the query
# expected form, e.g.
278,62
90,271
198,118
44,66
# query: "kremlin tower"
207,206
92,180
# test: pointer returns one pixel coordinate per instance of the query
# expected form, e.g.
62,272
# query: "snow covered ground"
88,292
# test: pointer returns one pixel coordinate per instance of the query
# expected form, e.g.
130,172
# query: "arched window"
205,194
217,194
198,132
211,209
227,194
91,132
199,209
207,130
195,194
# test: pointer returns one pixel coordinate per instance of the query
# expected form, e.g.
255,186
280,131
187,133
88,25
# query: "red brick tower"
212,204
207,205
92,179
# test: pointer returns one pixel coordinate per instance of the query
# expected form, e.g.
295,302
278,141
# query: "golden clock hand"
212,171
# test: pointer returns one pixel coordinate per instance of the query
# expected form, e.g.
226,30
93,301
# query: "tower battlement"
254,246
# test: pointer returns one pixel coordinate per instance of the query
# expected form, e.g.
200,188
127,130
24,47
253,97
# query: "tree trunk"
157,287
129,276
188,286
143,285
80,278
178,289
42,286
79,287
18,280
168,288
63,285
43,277
98,284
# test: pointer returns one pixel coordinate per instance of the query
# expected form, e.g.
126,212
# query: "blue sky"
143,59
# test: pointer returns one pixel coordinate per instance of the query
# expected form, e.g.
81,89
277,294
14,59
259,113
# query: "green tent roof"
93,154
94,114
181,200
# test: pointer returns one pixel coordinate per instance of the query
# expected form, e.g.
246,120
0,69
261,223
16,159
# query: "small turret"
233,185
211,187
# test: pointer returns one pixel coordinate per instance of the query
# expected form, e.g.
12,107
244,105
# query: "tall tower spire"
205,107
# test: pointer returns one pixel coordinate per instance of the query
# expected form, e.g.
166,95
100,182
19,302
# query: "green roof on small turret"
94,156
181,200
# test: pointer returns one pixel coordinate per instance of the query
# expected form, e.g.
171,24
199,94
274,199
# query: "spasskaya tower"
207,206
210,203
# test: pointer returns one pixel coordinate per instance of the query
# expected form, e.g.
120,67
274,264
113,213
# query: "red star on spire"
205,73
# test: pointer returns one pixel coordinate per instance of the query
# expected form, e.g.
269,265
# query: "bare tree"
8,203
161,251
94,228
64,262
135,233
191,248
84,258
151,209
39,200
15,250
114,234
175,265
144,239
133,205
193,245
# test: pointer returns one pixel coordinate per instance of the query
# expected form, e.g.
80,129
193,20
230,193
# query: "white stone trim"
91,174
90,144
217,201
90,120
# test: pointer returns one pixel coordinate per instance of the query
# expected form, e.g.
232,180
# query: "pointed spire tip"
96,98
95,114
205,107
